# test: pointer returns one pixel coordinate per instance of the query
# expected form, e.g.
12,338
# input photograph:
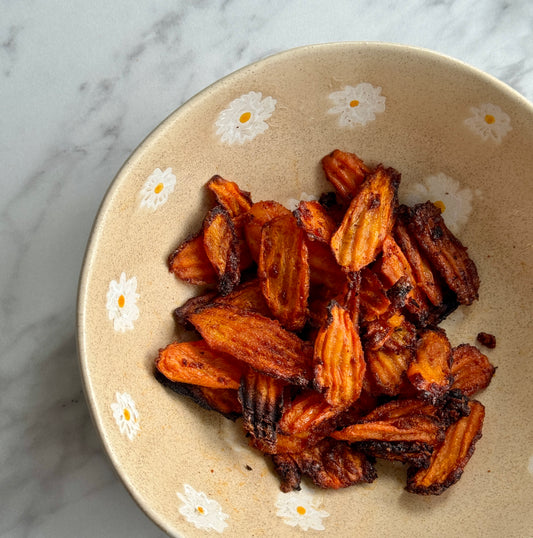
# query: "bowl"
458,137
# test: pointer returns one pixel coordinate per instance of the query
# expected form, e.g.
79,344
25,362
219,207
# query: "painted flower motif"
445,192
245,118
126,415
489,121
157,187
121,303
357,105
202,512
300,509
292,203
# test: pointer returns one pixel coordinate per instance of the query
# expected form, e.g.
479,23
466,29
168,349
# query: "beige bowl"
457,136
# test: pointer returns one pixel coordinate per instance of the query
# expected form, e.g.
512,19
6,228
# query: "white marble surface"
81,84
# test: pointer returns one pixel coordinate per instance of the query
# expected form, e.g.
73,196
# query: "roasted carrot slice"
189,262
258,215
334,464
413,428
448,460
284,271
374,301
259,341
346,171
338,359
194,362
430,371
471,369
323,266
230,196
224,401
444,251
388,364
262,399
423,274
315,221
286,466
368,220
222,248
181,313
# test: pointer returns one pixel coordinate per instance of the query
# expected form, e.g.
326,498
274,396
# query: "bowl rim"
83,282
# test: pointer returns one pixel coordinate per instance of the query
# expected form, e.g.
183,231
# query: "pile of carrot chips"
318,328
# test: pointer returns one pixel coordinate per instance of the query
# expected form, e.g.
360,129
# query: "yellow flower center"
126,414
490,119
121,301
158,188
440,205
354,103
245,116
200,509
301,510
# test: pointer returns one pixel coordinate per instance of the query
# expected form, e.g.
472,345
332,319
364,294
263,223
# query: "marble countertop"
81,85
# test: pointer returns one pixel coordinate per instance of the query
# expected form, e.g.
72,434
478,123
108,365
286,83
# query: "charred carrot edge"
315,221
189,262
195,363
284,271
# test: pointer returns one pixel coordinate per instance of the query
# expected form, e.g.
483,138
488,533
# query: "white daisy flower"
202,512
357,105
293,203
446,193
126,415
300,509
245,118
489,121
121,303
157,187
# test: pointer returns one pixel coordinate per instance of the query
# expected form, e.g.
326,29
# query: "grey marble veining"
81,84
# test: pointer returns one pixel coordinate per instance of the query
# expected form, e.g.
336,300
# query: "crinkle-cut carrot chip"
444,251
222,248
345,171
253,221
338,359
194,362
229,195
284,271
259,341
262,400
368,220
189,262
449,459
471,369
430,371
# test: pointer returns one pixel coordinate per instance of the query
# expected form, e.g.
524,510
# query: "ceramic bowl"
457,136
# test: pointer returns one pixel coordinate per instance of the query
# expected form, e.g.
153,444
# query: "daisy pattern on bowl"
489,121
301,509
245,118
202,512
357,105
121,303
292,203
126,415
454,201
157,187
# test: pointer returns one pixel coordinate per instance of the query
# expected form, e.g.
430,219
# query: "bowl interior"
456,135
